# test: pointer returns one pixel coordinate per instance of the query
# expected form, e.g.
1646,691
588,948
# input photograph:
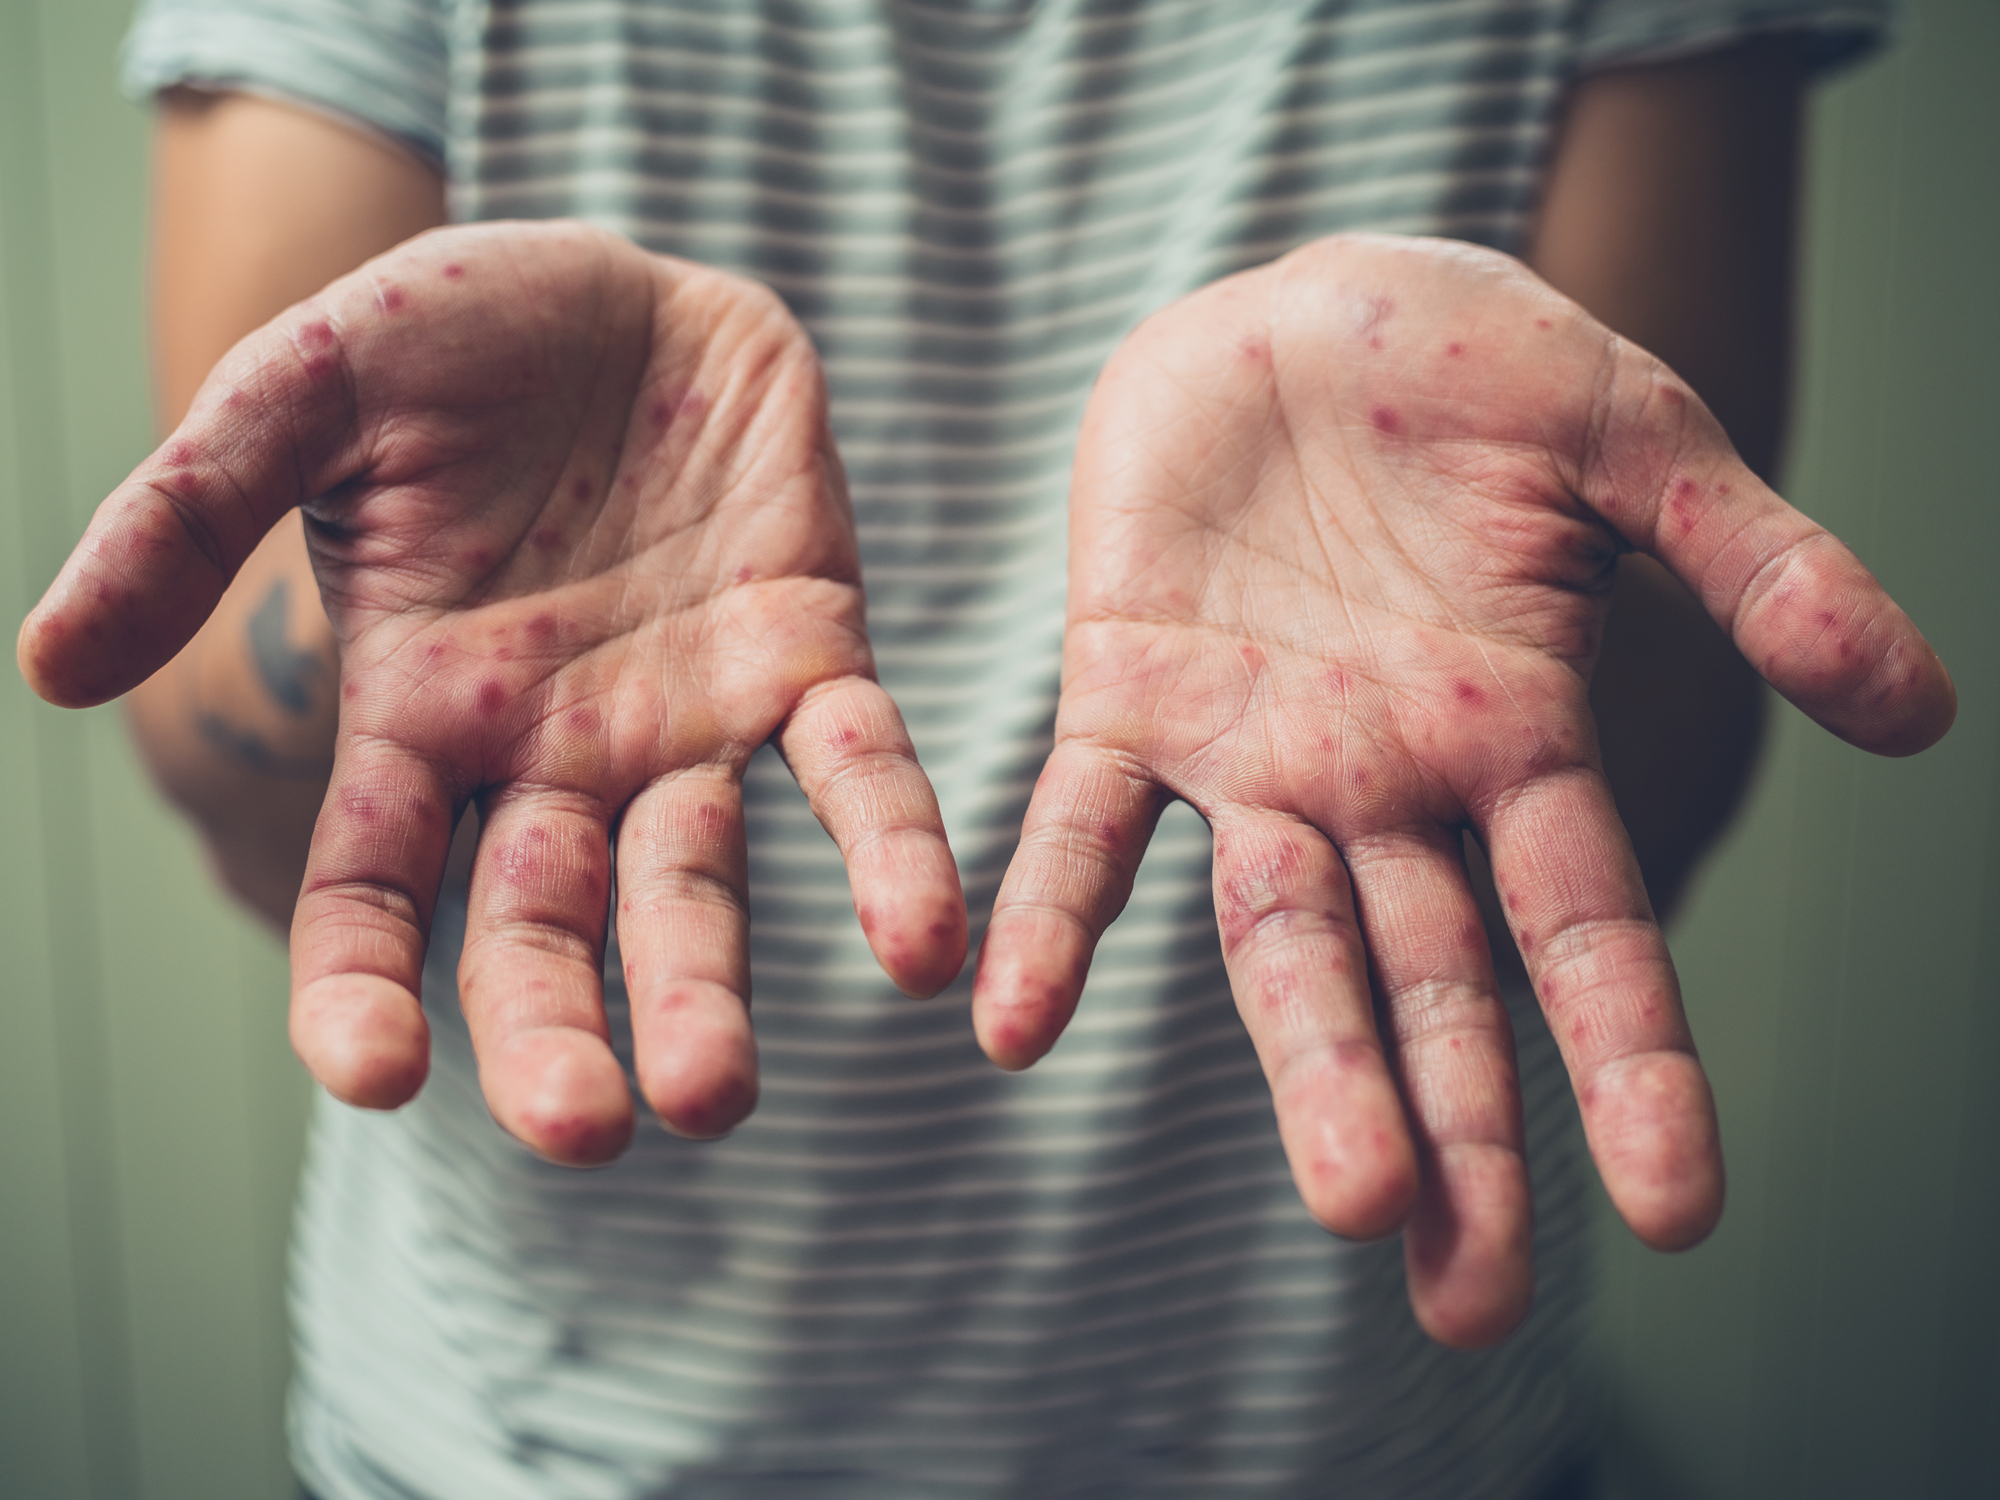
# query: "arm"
256,206
1668,213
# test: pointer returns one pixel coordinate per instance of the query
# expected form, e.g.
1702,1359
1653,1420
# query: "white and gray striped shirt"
910,1274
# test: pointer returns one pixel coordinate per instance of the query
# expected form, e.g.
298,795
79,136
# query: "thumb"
264,431
1800,606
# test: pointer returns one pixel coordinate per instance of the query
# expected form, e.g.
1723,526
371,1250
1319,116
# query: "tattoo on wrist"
288,674
295,682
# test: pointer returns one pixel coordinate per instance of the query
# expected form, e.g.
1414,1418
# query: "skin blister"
585,544
1343,534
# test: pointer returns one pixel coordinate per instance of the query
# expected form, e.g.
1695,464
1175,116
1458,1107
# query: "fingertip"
920,940
1016,1037
707,1111
1919,703
697,1059
560,1092
1468,1248
1652,1128
1364,1193
1028,984
364,1038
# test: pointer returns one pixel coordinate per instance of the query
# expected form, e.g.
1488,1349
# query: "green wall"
1837,1337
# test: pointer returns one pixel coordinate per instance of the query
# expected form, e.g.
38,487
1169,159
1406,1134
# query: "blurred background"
1838,1336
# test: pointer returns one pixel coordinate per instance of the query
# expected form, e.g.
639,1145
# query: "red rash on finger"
1543,323
583,719
1255,351
350,690
846,737
491,698
1253,657
579,489
503,653
392,299
940,929
542,627
661,415
743,575
454,272
476,557
1672,396
1454,350
691,404
547,538
181,451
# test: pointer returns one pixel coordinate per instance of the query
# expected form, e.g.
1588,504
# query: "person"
1171,510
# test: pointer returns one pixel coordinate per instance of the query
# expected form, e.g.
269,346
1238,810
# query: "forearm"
256,207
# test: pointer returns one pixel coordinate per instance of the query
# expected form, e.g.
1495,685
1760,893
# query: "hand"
585,544
1342,534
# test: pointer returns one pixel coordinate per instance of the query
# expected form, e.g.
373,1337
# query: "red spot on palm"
1384,419
1543,323
491,698
1454,350
477,558
743,575
583,719
1467,693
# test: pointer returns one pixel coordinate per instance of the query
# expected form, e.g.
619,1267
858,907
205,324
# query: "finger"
1468,1245
1087,826
265,432
1570,887
530,976
684,931
1800,606
362,920
847,746
1299,971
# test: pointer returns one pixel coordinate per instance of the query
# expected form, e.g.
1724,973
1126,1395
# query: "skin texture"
1353,521
585,545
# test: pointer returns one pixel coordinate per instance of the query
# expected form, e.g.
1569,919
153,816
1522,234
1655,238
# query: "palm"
582,537
1343,533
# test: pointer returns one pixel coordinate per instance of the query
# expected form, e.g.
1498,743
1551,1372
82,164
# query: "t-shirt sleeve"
380,62
1834,32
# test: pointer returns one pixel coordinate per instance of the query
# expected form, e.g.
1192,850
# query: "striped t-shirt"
910,1274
